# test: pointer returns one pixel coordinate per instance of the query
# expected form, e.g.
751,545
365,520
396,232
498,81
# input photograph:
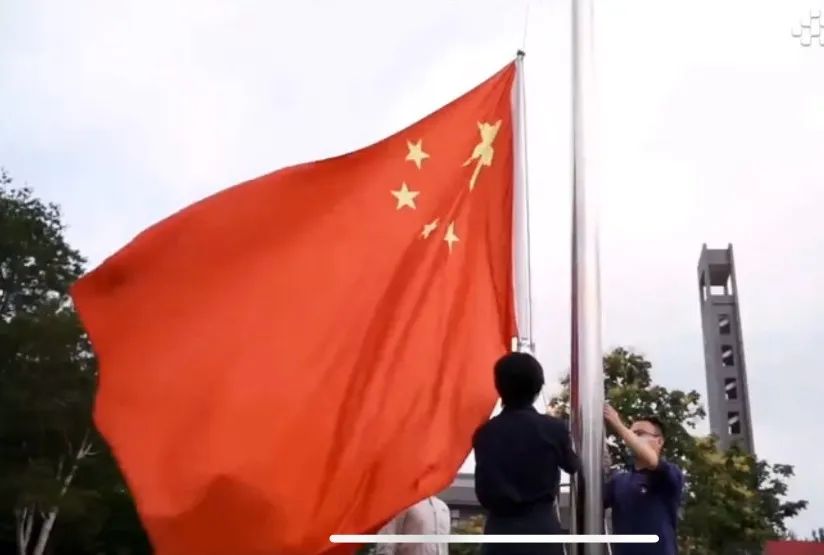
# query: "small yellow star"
405,197
416,153
428,229
450,236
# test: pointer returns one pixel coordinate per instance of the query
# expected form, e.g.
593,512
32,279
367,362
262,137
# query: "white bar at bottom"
491,538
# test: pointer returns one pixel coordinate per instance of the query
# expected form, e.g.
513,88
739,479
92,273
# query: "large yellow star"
484,150
450,236
416,153
428,229
405,197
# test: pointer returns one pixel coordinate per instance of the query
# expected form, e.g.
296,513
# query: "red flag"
309,352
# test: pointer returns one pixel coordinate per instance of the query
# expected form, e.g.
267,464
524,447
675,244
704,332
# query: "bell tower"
728,400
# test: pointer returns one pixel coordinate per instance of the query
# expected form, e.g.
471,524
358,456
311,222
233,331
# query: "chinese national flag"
310,352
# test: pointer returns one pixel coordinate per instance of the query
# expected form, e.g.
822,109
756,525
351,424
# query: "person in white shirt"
430,516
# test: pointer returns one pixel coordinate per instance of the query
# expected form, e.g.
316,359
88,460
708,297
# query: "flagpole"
586,377
521,252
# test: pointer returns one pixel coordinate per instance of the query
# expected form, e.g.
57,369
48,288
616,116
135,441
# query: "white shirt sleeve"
392,527
443,517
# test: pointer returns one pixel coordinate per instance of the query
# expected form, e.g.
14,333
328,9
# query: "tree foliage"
732,501
629,389
57,480
472,525
734,495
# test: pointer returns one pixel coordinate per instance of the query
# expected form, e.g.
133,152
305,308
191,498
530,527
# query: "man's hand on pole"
645,455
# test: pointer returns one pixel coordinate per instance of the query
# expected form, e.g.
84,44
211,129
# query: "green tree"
732,500
471,525
629,388
56,478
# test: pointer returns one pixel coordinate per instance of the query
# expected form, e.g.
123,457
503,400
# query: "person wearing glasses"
644,498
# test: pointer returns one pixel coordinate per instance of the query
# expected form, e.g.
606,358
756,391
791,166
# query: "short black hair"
518,379
655,421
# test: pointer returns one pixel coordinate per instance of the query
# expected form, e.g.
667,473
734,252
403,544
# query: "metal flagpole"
523,269
586,379
521,252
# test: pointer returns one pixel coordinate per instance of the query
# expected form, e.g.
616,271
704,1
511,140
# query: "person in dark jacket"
646,497
519,455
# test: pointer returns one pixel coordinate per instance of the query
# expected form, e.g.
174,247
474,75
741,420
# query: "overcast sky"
711,130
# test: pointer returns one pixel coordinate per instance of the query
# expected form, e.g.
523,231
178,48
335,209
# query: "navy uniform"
519,456
646,501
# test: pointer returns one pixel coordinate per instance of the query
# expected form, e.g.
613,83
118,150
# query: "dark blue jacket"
519,455
646,502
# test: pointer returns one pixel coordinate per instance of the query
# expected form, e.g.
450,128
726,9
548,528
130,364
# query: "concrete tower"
728,400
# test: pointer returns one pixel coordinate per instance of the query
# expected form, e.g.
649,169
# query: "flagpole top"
520,54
